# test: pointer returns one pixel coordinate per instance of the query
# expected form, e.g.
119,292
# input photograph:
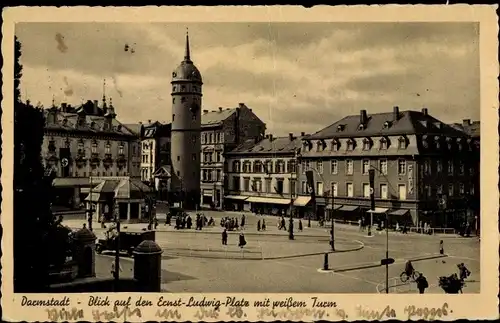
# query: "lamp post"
290,233
325,194
90,211
117,243
332,230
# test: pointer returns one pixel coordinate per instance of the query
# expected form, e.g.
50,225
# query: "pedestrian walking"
189,222
156,222
243,221
300,225
224,237
441,247
397,226
422,283
258,225
236,223
263,225
360,223
242,241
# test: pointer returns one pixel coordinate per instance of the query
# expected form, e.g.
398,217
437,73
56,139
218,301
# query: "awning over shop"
349,208
399,212
335,206
270,200
378,210
236,197
96,197
301,201
71,182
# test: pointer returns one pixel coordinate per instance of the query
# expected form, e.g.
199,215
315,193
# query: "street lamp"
90,211
290,233
332,230
325,194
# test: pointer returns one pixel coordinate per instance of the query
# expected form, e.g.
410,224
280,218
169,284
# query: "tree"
34,223
18,70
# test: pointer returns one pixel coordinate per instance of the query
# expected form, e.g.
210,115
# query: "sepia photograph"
251,157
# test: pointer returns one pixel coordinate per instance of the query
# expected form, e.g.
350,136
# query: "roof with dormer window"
276,145
408,123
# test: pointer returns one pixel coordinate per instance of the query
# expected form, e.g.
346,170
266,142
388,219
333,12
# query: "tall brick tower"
186,129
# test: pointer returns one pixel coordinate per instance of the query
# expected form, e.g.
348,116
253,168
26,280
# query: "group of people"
281,224
183,220
241,241
451,284
232,223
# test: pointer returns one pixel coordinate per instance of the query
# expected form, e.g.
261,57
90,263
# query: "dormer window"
367,144
384,143
52,145
304,145
120,148
437,142
459,143
81,121
449,142
65,122
387,125
335,145
350,144
361,127
437,125
319,145
108,148
403,143
94,147
340,127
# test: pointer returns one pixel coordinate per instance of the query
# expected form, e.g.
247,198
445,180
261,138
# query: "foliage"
36,232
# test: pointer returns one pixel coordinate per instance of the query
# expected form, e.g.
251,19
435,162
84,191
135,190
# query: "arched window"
108,148
350,144
403,142
94,147
425,141
367,144
384,143
335,145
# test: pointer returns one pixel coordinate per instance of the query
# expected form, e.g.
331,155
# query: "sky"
295,76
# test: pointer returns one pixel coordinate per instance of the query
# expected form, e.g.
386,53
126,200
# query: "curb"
377,264
208,256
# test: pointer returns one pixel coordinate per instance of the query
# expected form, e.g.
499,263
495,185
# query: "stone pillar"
128,211
84,252
147,266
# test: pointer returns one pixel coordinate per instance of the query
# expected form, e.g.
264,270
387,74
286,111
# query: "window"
236,183
120,149
439,189
303,187
193,116
236,166
383,191
428,190
204,173
366,190
183,88
279,186
319,188
461,167
173,117
450,167
472,192
349,167
335,145
471,170
94,147
334,167
350,144
268,185
280,167
450,189
383,166
383,143
173,100
218,156
246,167
257,167
291,166
402,192
193,157
427,167
218,137
350,189
183,99
366,166
402,143
401,167
319,166
178,158
210,138
305,166
334,189
461,188
219,177
366,144
319,146
246,184
439,166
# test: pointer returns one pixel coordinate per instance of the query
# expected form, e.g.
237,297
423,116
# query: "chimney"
140,122
64,107
241,105
466,122
425,111
270,137
302,134
205,111
220,109
395,113
290,135
267,136
96,106
149,121
363,117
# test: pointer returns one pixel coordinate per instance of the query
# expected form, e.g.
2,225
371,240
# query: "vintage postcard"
250,163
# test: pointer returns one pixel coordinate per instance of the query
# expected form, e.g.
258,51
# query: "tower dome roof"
186,71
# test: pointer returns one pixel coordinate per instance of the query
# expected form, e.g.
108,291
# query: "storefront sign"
410,179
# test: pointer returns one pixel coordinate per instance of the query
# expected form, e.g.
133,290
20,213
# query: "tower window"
175,88
173,117
194,117
173,100
183,99
183,88
178,158
194,157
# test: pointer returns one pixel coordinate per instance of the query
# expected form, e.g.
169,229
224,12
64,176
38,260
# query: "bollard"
441,247
325,262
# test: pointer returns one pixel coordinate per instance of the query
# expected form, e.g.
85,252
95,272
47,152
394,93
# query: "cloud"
295,76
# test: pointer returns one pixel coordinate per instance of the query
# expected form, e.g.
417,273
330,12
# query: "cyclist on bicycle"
464,272
409,270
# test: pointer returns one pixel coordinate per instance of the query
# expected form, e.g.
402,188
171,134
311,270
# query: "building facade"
422,170
262,175
185,133
222,131
155,149
85,141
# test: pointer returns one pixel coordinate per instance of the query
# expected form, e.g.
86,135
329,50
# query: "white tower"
186,130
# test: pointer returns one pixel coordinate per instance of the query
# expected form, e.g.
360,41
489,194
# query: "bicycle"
413,277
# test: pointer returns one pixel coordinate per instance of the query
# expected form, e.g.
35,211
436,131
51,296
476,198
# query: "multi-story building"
155,149
262,175
85,141
422,170
222,131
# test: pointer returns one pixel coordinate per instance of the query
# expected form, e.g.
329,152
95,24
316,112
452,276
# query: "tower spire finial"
104,93
187,53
